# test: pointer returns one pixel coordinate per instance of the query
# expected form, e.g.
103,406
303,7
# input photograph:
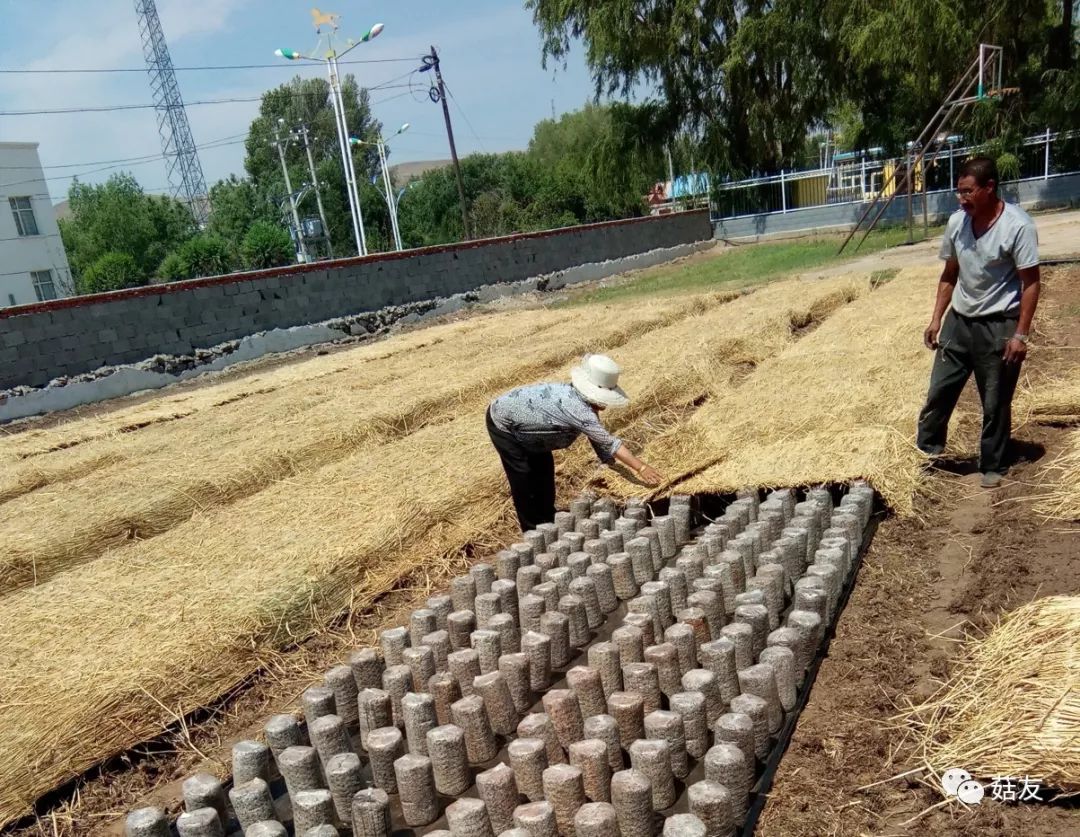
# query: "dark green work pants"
966,345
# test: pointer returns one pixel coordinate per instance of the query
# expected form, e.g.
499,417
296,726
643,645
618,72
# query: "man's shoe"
991,479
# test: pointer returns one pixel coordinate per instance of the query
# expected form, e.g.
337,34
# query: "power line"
156,156
389,84
108,165
151,106
137,162
31,238
116,164
466,118
102,70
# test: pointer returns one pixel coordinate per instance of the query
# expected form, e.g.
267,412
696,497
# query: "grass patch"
880,277
746,266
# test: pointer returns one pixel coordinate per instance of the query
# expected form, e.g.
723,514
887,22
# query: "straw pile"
1054,402
839,404
1062,500
1013,708
103,655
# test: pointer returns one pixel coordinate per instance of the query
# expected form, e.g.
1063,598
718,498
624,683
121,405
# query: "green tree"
109,272
118,217
266,245
595,164
604,159
307,101
747,79
237,204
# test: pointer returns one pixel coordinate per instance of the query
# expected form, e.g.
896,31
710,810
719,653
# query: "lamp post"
331,61
391,201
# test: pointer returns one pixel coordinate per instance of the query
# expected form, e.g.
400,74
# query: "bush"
204,255
110,272
171,269
266,245
1008,165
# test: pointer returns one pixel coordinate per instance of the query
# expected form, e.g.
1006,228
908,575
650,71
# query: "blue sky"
490,54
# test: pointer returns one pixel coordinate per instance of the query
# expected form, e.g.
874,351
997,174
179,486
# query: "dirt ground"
968,557
926,583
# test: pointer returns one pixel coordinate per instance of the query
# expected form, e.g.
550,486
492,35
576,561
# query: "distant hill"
62,210
402,173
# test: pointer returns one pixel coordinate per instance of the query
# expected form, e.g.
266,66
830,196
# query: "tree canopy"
751,80
117,235
307,101
589,165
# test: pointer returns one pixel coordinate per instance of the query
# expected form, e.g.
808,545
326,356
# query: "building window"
23,210
43,285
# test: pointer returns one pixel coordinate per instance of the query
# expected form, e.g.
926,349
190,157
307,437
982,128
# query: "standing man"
991,278
528,423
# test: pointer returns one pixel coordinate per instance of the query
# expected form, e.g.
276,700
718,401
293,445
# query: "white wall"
21,176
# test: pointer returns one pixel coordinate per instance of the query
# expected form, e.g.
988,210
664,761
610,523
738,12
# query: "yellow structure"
897,186
810,191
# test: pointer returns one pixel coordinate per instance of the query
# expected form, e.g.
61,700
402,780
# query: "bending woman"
528,423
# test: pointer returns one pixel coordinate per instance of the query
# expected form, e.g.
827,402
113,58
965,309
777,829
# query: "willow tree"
745,77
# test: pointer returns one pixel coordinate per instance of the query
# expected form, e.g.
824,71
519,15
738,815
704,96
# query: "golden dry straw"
839,404
1061,500
1012,708
278,502
140,485
1053,402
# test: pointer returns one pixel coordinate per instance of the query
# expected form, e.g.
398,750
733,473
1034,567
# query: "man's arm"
1015,349
945,288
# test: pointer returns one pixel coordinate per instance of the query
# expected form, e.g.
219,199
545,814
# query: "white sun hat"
597,379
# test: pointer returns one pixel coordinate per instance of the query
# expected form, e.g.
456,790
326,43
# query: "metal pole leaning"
938,117
301,249
315,186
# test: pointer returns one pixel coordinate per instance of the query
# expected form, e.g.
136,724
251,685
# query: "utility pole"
303,257
438,94
315,186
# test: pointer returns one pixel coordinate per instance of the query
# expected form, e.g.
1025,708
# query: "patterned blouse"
547,417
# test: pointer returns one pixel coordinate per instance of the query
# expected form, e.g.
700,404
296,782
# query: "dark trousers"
966,345
531,477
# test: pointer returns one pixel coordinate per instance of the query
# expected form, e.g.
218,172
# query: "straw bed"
839,404
179,619
231,454
1013,707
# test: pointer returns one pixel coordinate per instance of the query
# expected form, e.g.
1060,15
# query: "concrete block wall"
71,336
1056,191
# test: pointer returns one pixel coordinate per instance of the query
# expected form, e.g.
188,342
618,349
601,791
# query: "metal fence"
860,176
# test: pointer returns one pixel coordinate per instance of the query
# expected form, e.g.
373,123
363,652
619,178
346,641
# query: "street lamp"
391,202
331,61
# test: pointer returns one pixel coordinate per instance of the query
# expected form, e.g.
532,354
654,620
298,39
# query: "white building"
33,264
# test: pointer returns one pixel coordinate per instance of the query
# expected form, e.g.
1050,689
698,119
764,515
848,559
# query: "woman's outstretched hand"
650,476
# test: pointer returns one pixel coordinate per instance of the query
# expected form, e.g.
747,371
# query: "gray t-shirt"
546,417
989,266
